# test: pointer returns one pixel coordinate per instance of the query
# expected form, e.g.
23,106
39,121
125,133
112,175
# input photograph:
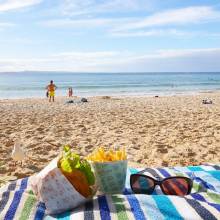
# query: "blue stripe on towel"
198,197
135,207
149,207
207,180
166,207
88,212
216,167
16,200
207,168
201,210
164,172
133,170
203,184
63,216
104,209
4,200
215,174
49,217
195,168
216,206
12,186
202,199
5,196
39,215
181,169
24,183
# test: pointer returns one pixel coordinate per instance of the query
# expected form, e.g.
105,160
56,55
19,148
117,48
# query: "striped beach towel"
18,202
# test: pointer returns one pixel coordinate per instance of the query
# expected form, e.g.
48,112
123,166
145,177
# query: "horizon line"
100,72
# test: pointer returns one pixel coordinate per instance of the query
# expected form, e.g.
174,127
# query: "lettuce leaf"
71,161
86,169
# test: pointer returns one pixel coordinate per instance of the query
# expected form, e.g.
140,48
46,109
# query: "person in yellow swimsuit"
51,90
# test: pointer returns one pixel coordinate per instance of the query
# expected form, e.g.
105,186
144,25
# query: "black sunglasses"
175,185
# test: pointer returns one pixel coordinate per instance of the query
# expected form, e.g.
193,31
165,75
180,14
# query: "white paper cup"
110,176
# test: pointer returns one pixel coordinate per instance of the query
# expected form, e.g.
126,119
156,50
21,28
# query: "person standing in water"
70,92
51,89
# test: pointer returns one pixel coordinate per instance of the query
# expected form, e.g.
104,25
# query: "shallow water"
32,84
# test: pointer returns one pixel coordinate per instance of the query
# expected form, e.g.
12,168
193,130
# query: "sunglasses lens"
141,184
176,186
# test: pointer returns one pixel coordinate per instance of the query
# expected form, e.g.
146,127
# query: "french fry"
101,155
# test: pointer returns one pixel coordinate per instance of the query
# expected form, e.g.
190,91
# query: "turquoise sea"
32,84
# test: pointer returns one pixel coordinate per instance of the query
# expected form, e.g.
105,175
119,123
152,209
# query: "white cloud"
6,24
183,16
166,32
9,5
82,23
180,53
90,55
91,7
117,61
152,25
154,32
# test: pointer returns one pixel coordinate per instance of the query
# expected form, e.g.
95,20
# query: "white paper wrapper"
52,188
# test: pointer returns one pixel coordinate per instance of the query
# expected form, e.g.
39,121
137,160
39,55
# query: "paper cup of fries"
110,168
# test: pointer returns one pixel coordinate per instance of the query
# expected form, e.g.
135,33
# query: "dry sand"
164,131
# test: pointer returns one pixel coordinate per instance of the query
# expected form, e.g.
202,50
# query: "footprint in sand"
162,150
191,154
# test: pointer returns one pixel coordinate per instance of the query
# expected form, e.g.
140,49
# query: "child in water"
70,92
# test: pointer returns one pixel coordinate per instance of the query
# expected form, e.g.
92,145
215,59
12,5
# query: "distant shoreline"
135,72
191,93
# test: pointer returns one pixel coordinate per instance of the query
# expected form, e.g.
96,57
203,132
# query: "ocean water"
32,84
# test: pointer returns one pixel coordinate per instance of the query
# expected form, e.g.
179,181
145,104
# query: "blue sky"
112,36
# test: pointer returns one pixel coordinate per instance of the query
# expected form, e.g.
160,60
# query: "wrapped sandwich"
65,183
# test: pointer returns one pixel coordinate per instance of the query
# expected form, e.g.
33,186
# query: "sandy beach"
163,131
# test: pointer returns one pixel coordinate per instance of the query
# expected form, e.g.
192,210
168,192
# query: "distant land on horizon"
138,72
